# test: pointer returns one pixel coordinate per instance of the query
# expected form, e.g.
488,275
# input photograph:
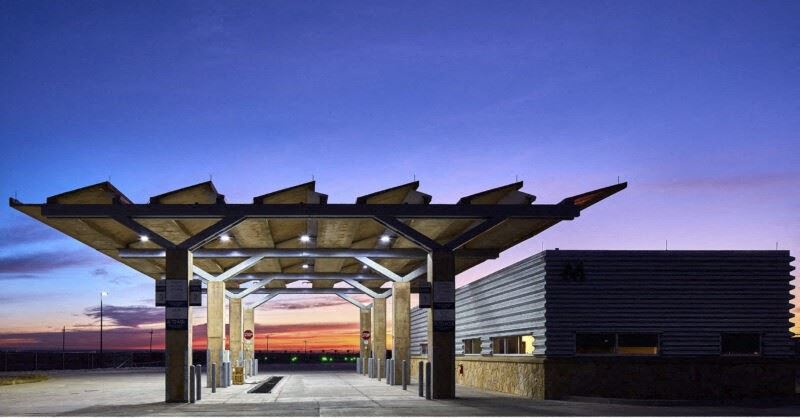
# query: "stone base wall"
666,378
524,376
628,377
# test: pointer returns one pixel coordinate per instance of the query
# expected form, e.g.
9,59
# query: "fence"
13,361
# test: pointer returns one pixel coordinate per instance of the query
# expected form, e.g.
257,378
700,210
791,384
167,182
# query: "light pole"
267,343
103,293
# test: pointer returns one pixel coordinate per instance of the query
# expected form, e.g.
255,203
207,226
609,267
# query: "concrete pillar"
442,324
235,318
378,333
249,322
401,327
215,327
178,324
365,347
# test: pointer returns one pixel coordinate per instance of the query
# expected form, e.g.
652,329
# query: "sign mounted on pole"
248,334
195,292
365,335
161,293
424,297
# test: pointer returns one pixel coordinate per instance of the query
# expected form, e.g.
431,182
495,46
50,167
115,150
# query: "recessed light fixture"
305,238
364,267
144,238
385,238
224,237
305,266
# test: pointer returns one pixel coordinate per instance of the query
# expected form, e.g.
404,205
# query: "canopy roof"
478,227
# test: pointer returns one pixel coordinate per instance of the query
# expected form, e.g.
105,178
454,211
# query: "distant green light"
324,359
294,359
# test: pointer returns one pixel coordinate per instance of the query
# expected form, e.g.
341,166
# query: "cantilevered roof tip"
294,232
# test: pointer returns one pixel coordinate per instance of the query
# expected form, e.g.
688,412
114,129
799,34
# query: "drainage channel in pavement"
267,385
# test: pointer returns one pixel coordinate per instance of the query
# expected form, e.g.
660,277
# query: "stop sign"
248,334
365,335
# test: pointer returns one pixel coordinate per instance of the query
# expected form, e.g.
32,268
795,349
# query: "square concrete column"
235,318
365,346
178,324
215,326
442,324
401,327
249,322
378,333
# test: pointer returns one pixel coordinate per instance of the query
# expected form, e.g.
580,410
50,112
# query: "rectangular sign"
444,319
177,318
177,290
161,293
195,292
444,292
424,293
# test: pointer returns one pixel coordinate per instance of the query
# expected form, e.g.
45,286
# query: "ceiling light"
385,238
144,238
305,266
305,238
364,267
224,237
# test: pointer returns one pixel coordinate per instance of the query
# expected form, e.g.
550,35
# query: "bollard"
405,374
428,380
369,368
223,378
213,372
378,369
191,383
255,366
365,366
421,378
388,368
198,369
358,365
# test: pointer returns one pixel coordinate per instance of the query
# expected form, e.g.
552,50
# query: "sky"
695,104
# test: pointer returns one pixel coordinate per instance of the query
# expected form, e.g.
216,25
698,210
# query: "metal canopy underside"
264,236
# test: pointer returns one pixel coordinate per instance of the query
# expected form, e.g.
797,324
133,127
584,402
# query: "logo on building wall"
574,272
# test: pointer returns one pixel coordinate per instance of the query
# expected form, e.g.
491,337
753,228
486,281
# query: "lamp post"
103,293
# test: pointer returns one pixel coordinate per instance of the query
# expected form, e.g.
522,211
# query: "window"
620,344
472,346
423,348
637,344
516,344
595,343
740,344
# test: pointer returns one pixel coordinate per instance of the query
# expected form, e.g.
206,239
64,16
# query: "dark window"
423,348
595,343
472,346
742,343
637,344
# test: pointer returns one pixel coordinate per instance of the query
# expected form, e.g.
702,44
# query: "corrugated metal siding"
689,297
419,330
507,302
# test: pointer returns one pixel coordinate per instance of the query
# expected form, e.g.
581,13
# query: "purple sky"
696,104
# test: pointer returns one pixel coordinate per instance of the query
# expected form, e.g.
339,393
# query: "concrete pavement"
141,392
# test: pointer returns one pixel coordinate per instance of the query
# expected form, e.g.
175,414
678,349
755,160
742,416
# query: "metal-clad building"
688,299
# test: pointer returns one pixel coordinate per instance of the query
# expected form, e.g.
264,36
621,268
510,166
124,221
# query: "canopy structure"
394,227
394,236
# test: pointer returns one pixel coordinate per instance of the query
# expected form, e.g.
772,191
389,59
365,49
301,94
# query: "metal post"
213,372
405,374
388,365
198,381
428,380
255,368
378,369
191,384
421,378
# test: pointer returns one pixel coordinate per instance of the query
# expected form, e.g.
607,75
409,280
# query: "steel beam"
205,236
407,232
352,300
405,253
392,275
263,300
563,211
375,293
474,232
141,230
250,289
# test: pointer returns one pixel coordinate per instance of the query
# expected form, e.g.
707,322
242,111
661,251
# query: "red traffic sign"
248,334
365,335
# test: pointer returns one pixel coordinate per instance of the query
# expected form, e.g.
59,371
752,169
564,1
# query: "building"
627,324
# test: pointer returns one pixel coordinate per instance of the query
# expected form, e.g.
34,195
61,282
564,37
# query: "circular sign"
248,334
365,335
